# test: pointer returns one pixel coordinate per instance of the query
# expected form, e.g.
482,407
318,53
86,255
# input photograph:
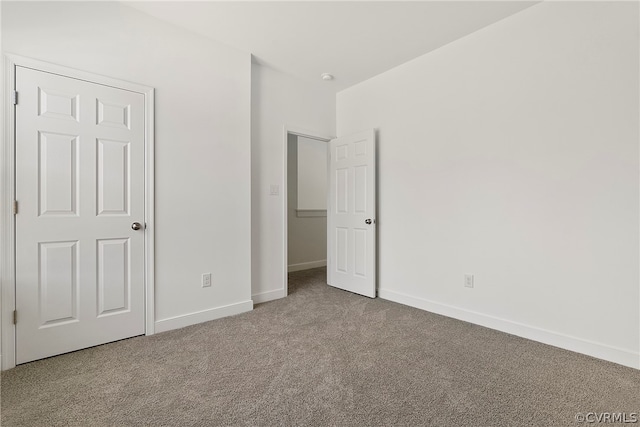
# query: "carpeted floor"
319,357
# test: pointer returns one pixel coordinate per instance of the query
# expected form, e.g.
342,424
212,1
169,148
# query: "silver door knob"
367,221
136,226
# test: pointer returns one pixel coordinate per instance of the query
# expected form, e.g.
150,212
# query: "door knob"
136,226
367,221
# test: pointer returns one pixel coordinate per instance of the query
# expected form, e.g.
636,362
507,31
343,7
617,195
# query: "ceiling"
351,40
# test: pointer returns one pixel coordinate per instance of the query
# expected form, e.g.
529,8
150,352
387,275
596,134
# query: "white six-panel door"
351,236
79,187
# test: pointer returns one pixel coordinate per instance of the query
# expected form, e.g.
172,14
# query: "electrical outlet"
274,189
468,280
206,280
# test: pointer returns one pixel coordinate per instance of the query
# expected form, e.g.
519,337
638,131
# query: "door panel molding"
351,214
7,173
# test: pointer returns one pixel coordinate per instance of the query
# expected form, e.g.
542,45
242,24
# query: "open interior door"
351,219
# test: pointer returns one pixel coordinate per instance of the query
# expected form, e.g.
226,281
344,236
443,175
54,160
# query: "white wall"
306,236
312,174
202,113
512,154
278,100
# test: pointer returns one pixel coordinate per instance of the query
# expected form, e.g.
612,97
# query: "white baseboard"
307,265
268,296
621,356
202,316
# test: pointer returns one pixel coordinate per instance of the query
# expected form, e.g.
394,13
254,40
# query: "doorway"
347,216
305,202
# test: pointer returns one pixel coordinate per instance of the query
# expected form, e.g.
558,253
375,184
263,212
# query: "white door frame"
7,174
318,136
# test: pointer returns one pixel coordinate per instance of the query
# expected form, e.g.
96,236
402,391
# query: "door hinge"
15,207
14,97
15,317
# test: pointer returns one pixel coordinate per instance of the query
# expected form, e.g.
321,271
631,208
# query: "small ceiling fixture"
326,76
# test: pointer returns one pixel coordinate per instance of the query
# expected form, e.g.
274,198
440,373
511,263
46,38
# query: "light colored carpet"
319,357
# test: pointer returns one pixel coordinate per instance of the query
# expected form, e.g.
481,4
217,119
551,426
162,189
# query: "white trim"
3,181
294,130
149,211
7,173
618,355
202,316
311,213
7,268
298,131
268,296
307,265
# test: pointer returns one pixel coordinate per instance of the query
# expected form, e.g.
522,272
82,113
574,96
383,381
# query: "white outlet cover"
274,189
206,280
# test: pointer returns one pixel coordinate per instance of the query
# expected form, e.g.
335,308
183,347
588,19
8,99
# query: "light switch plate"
468,280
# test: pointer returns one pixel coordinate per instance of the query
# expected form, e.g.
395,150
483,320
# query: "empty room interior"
320,213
